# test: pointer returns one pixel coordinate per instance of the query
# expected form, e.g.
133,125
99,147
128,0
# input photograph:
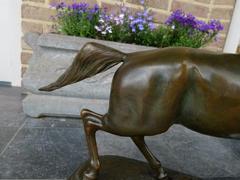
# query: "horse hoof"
162,175
90,175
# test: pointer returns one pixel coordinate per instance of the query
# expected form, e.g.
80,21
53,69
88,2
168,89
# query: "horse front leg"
91,126
153,161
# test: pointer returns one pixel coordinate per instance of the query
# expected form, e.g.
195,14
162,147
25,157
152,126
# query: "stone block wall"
36,15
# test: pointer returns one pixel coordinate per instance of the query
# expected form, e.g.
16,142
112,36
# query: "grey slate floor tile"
11,114
52,122
6,134
42,153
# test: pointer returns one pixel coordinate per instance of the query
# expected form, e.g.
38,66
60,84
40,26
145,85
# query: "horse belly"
131,117
211,108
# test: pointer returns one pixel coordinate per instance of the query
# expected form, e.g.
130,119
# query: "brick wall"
36,13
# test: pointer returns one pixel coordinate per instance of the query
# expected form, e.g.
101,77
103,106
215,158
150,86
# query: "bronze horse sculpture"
152,90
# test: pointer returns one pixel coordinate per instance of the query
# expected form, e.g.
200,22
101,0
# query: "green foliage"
77,24
180,29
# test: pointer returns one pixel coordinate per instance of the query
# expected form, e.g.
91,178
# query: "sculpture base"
121,168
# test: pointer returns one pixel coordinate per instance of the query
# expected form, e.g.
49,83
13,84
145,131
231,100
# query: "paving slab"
6,134
51,122
50,148
11,114
43,153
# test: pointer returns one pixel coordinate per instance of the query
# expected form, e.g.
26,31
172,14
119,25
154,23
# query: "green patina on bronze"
154,89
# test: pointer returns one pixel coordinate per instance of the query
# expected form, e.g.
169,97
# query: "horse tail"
92,59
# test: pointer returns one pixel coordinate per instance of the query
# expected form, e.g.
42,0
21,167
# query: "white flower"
101,20
111,17
97,28
104,32
173,27
109,29
121,16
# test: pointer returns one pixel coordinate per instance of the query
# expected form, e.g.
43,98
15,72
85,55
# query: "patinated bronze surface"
154,89
120,168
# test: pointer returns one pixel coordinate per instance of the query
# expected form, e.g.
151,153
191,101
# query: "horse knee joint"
84,113
95,164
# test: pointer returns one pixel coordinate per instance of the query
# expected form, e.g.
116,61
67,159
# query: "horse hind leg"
153,161
92,122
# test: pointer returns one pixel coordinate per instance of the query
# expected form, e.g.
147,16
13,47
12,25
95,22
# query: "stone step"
37,105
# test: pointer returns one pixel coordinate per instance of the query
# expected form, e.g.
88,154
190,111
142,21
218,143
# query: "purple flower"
60,5
81,7
142,2
123,9
139,14
133,29
151,26
175,16
131,18
145,13
95,9
190,20
181,18
141,27
119,19
150,18
215,25
178,17
202,26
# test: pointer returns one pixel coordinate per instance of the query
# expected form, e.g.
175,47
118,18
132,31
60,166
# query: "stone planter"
52,54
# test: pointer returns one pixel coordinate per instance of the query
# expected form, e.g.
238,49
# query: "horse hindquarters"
143,100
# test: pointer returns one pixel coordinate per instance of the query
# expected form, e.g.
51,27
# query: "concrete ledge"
75,43
43,105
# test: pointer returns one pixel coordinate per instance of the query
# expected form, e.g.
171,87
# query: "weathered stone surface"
53,54
6,134
46,105
11,114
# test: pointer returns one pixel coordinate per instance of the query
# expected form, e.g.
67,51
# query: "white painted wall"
10,41
233,37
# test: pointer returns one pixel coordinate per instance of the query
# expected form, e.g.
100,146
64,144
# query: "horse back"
155,89
211,102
